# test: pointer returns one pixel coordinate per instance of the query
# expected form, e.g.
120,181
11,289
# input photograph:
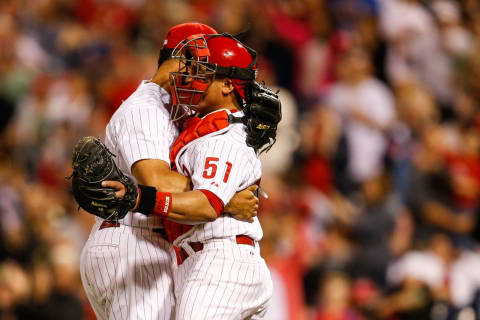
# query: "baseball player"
220,273
126,265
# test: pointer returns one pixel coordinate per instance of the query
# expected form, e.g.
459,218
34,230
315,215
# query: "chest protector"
195,128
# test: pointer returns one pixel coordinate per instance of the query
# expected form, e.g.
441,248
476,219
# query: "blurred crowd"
373,184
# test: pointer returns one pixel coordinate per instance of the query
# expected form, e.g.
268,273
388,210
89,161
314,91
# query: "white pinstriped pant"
225,280
126,273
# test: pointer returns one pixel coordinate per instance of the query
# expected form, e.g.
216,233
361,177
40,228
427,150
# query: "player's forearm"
170,181
186,207
157,173
191,207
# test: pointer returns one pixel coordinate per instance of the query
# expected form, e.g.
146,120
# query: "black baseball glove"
93,163
263,112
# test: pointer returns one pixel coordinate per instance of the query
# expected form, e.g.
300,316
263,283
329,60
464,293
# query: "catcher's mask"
203,57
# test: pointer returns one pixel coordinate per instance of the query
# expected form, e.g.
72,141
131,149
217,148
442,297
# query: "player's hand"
120,190
244,205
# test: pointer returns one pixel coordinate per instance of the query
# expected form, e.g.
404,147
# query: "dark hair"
164,55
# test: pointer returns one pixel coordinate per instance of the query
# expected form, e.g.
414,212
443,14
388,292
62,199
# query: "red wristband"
163,203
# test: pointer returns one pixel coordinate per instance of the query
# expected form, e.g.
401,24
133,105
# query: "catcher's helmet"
233,60
181,31
178,33
204,57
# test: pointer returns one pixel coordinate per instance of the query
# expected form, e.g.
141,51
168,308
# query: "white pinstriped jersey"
223,164
141,129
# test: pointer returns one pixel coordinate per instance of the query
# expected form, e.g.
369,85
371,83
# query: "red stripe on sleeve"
214,200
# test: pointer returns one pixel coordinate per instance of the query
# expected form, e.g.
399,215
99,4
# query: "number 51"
211,168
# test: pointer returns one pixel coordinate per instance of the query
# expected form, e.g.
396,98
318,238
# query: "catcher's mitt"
263,112
92,163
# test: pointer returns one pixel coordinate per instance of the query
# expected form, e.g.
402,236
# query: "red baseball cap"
181,31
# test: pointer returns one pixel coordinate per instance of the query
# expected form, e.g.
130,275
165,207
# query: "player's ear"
227,86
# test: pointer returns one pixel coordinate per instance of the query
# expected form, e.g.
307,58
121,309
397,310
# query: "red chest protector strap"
195,128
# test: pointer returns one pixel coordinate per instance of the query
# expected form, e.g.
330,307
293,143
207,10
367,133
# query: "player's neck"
228,106
162,76
162,79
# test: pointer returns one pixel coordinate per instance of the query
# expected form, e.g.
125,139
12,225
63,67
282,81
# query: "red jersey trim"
214,200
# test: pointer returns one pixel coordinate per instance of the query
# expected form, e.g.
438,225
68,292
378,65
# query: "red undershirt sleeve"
214,200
